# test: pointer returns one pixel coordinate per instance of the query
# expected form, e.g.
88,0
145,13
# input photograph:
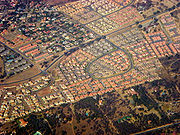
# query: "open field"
22,76
1,67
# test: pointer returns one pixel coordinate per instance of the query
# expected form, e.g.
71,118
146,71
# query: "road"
43,71
156,128
117,48
102,16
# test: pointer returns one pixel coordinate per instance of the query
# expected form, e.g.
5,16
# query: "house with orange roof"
23,123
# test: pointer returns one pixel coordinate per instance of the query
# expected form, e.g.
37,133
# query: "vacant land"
1,67
27,74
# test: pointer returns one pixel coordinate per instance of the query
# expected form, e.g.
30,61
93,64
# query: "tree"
64,132
140,26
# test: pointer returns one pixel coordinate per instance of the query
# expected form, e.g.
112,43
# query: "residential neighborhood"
91,67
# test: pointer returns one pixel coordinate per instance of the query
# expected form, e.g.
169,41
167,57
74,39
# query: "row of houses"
160,45
128,15
102,7
13,62
170,26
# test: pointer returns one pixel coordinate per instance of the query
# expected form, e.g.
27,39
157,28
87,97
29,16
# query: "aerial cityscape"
89,67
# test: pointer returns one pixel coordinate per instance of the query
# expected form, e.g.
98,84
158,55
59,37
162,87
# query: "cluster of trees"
126,128
144,97
34,124
87,103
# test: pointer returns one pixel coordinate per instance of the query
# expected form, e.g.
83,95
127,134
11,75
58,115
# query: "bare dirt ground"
1,66
45,91
23,75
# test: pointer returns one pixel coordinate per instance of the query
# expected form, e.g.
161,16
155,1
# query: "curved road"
84,24
117,48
